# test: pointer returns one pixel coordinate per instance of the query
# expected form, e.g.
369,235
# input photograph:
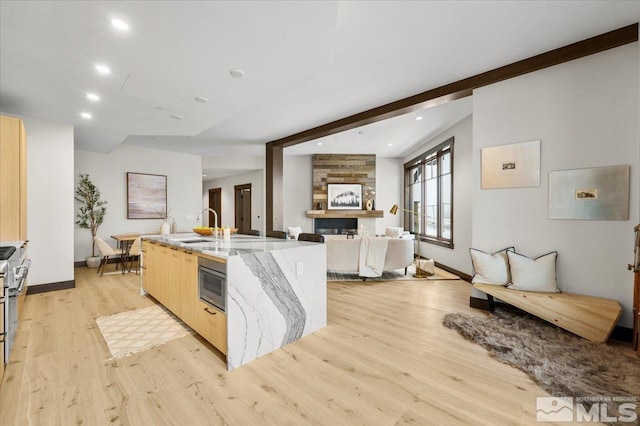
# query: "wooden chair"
253,232
107,251
277,234
314,238
134,254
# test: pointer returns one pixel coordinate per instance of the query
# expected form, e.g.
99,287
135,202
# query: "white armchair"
344,254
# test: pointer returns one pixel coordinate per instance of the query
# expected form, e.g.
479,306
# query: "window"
428,182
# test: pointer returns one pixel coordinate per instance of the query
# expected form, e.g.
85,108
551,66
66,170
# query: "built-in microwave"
212,283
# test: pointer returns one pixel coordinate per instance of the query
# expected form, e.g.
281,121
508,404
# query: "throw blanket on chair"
372,254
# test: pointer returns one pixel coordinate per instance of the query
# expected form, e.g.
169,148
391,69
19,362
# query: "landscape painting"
146,196
344,196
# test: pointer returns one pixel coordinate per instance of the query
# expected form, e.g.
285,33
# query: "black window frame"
421,161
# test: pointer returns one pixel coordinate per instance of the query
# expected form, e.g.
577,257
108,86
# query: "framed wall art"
344,196
146,196
600,193
514,165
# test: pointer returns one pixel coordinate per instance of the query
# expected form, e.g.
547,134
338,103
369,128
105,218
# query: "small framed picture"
344,196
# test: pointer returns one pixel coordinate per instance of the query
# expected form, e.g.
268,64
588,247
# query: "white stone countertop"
238,245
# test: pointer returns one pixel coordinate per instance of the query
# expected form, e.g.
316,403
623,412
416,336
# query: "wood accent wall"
342,168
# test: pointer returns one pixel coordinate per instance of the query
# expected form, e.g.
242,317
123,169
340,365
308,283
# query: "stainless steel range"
14,266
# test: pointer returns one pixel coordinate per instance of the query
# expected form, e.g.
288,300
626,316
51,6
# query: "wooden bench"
590,317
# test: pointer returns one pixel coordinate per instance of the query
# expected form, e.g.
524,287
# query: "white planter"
93,261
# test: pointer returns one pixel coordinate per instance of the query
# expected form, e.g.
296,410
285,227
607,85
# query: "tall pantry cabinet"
13,187
13,179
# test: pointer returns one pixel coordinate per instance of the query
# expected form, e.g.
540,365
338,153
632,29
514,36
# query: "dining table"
124,241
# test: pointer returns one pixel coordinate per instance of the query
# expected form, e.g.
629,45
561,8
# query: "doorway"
243,207
215,203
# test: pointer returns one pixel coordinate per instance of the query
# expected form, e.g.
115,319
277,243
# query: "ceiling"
305,64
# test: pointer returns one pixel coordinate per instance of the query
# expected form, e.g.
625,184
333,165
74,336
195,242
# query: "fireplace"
335,226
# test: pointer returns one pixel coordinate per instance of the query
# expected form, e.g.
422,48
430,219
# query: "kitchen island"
276,290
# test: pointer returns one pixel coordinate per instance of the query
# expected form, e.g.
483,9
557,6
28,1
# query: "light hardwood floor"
383,359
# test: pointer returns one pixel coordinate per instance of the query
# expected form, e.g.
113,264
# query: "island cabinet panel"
163,260
212,325
172,279
150,267
187,292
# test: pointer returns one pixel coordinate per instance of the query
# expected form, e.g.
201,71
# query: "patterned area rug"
135,331
397,275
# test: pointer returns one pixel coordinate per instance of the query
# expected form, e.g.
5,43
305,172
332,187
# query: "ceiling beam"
465,87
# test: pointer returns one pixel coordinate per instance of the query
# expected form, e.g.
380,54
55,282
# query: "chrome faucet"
215,215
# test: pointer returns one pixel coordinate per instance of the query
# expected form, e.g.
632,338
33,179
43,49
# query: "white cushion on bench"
533,274
490,268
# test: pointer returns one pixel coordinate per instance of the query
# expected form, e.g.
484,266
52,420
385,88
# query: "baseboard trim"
622,334
45,288
462,275
83,263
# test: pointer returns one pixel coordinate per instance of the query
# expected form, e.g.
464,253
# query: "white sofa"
343,254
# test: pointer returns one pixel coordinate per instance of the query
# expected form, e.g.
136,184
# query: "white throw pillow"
491,268
537,274
294,231
394,231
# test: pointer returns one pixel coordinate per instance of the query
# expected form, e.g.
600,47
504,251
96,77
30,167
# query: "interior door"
243,207
215,203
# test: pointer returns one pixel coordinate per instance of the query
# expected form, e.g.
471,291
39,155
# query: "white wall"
109,173
585,112
227,216
389,191
49,200
458,257
298,191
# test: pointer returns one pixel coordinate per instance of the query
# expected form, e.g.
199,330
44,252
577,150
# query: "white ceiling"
306,64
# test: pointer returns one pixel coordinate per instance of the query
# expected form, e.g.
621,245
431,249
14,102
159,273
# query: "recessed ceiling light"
103,69
86,115
177,117
120,25
93,97
319,144
204,175
389,144
237,73
201,99
418,118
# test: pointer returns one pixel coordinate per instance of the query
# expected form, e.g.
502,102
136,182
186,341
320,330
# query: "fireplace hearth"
335,226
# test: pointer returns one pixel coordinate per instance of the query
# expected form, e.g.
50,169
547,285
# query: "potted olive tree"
90,213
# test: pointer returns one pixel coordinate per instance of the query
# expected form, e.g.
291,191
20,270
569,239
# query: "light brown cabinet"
212,325
13,179
188,293
170,275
